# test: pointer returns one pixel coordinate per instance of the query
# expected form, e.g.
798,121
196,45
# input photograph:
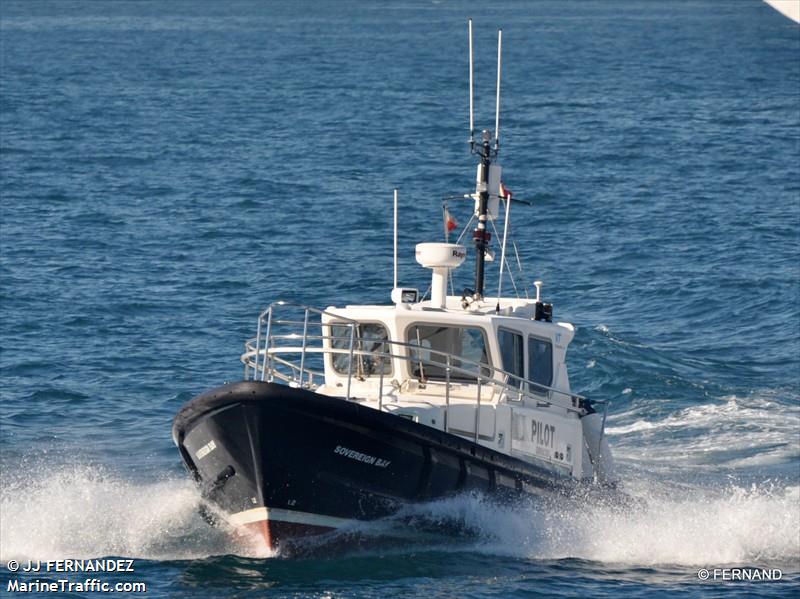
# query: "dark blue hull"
288,462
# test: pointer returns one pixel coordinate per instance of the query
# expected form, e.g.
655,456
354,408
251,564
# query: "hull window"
466,346
540,364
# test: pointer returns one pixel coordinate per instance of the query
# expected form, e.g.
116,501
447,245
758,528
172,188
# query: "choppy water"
170,168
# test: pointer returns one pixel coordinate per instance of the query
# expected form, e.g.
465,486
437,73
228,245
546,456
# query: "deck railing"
292,341
291,348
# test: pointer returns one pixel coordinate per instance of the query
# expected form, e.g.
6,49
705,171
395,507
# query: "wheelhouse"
430,347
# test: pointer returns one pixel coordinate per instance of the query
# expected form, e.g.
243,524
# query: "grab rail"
265,359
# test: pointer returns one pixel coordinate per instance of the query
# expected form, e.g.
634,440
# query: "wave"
686,527
734,432
85,511
727,525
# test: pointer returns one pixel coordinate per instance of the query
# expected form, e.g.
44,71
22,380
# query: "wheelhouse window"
540,365
466,346
512,352
371,337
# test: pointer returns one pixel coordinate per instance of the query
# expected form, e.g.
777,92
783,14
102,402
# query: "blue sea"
170,168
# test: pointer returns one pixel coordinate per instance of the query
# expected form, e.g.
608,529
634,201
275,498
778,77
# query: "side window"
466,345
373,337
540,364
512,354
369,337
340,340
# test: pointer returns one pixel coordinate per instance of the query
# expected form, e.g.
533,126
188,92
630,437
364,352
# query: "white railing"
292,349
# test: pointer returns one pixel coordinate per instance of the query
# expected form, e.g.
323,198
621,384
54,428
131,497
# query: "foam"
699,527
731,525
85,511
732,433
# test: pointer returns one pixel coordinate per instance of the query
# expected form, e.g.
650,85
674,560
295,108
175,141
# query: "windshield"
369,337
464,344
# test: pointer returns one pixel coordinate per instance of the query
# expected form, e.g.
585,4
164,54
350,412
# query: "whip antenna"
503,254
471,110
395,239
497,102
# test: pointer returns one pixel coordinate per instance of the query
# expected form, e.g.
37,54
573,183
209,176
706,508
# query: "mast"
481,236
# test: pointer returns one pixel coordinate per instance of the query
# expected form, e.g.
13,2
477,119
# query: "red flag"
505,192
450,222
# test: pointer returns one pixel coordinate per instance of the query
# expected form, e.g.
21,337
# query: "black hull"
288,462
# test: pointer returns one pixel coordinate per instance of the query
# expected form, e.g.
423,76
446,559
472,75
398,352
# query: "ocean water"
169,168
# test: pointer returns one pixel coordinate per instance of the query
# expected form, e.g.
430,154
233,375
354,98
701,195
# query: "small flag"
450,222
505,192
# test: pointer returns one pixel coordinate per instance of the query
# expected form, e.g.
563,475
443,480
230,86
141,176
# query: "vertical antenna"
395,240
471,118
497,102
503,254
471,112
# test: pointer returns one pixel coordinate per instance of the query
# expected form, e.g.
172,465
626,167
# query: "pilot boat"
350,413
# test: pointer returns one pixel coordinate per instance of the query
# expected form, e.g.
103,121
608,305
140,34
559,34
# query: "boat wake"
731,525
86,511
82,512
688,526
756,434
